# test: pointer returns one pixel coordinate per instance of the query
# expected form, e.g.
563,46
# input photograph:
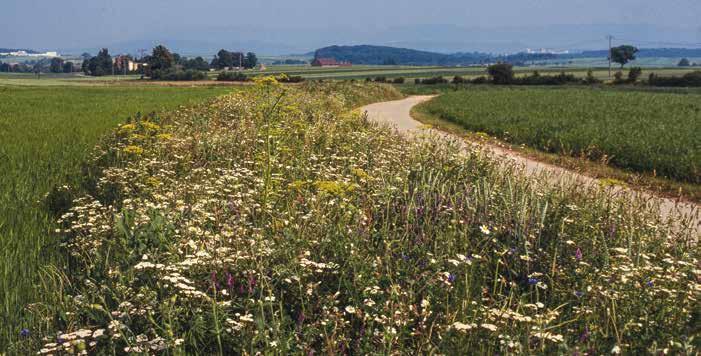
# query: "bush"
618,78
380,79
177,75
399,80
634,74
434,80
290,79
232,77
417,81
502,73
459,80
480,80
537,79
692,79
591,79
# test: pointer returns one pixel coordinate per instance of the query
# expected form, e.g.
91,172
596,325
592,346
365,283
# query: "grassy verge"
278,222
46,134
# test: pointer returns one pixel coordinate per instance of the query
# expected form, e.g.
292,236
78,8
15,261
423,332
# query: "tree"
197,63
68,67
99,65
56,65
250,61
623,54
684,63
160,59
501,73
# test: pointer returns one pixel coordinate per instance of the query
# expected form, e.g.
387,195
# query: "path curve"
398,114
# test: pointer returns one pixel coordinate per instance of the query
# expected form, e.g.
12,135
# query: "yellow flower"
134,150
150,126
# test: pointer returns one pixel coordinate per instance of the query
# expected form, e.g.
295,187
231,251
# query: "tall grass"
276,221
45,135
647,132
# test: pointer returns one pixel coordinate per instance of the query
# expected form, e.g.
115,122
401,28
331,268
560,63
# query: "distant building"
125,64
329,62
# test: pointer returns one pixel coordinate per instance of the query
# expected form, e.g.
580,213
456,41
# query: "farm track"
398,114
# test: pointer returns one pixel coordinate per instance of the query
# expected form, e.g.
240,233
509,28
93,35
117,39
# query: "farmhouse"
329,62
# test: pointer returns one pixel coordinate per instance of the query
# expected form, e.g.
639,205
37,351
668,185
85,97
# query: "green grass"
651,132
275,221
46,133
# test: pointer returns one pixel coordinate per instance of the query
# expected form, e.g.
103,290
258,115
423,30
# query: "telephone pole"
610,38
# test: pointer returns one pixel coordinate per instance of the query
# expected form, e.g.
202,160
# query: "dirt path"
398,114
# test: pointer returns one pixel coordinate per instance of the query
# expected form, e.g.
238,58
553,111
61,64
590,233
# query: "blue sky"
73,23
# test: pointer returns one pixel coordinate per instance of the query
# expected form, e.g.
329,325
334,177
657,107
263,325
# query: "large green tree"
100,64
161,58
250,61
623,54
56,65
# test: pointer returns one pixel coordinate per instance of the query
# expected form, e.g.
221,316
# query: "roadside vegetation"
276,220
46,135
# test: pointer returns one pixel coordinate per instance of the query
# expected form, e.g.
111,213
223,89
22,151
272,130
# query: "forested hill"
366,54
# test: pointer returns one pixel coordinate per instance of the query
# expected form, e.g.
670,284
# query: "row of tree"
162,59
53,65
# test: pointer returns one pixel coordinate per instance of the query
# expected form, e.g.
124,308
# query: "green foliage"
501,73
178,75
161,59
231,76
623,54
634,74
46,137
684,62
251,61
99,65
591,79
56,65
654,133
275,221
225,59
692,79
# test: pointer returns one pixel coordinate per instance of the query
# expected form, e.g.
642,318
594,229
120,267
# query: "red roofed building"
329,62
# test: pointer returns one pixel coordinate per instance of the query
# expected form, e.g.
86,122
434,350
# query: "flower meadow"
276,220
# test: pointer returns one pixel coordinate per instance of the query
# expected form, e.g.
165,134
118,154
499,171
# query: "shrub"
459,80
178,75
417,81
692,79
480,80
634,73
232,77
290,79
501,73
399,80
591,79
537,79
380,79
618,78
434,80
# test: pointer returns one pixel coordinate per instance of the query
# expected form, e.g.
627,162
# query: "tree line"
163,63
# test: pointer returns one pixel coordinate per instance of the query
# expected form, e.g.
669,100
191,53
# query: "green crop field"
45,134
652,132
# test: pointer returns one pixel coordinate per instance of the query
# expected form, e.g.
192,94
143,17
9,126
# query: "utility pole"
610,38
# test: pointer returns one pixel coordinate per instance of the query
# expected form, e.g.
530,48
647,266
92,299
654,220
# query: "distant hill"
378,55
366,54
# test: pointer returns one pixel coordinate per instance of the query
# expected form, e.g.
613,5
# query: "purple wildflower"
451,278
585,335
578,254
578,294
532,281
229,280
649,284
24,332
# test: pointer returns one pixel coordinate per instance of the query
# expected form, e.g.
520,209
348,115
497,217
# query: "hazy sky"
75,23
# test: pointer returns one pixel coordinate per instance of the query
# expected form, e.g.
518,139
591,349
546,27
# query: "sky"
87,23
